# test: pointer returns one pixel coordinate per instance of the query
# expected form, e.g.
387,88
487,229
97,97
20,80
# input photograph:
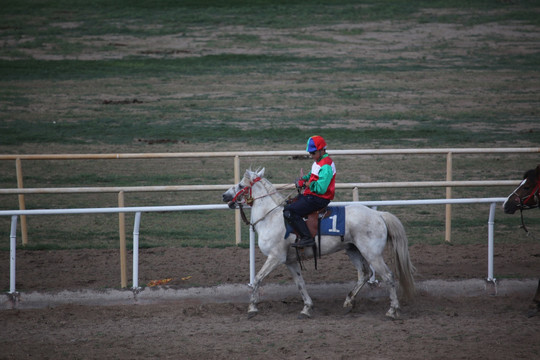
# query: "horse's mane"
274,194
270,188
530,175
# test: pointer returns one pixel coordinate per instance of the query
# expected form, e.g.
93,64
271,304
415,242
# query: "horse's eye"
240,186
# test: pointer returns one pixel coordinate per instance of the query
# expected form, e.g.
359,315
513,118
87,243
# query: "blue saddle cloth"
333,225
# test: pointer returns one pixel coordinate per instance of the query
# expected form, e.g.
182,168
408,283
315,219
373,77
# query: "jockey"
320,185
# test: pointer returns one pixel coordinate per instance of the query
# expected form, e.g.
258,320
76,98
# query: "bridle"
247,194
524,200
533,194
247,190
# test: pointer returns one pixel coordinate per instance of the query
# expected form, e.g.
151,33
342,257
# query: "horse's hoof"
533,311
252,314
303,316
348,305
393,314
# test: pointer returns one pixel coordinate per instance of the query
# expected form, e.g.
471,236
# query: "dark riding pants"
302,207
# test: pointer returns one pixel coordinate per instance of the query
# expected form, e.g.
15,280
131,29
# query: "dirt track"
441,328
194,267
431,326
479,327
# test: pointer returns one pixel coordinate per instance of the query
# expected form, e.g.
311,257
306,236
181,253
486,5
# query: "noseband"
522,203
533,195
246,190
249,200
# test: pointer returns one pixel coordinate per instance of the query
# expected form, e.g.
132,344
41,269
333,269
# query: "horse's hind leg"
363,273
535,306
536,298
387,276
270,264
294,268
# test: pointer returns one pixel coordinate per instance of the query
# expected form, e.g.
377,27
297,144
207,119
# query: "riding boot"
306,239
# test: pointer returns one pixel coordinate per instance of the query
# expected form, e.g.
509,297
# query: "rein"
250,200
247,189
525,227
534,194
247,222
522,207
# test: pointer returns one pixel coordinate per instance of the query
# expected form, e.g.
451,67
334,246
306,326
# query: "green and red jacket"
323,178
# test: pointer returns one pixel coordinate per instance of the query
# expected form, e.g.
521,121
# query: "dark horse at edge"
526,197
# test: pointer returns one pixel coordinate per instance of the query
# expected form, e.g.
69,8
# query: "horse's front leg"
294,268
270,264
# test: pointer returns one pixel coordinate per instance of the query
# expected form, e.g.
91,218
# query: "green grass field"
177,76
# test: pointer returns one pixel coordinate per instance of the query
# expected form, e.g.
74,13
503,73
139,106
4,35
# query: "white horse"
366,234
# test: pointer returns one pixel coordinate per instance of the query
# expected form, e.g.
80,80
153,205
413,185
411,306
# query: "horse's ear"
248,175
261,173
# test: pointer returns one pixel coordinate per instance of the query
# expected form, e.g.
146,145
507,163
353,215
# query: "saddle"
313,220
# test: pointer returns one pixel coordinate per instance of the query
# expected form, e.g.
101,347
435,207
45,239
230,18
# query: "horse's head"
526,195
241,192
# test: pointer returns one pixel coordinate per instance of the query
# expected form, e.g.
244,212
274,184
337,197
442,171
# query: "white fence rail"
138,210
364,185
20,191
236,155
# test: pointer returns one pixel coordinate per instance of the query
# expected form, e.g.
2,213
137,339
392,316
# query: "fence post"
22,206
448,224
251,256
122,231
355,194
12,254
237,223
136,226
491,222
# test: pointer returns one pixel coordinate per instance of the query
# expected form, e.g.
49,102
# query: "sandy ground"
448,327
193,267
431,327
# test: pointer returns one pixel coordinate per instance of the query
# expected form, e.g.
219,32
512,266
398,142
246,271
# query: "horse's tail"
399,245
